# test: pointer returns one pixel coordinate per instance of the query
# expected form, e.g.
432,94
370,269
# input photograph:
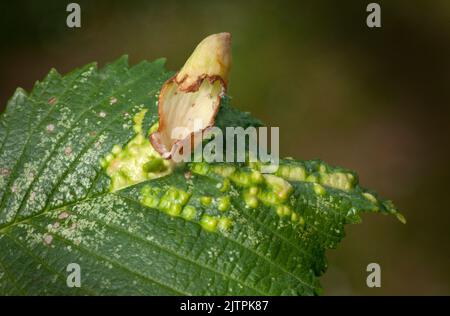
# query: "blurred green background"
372,100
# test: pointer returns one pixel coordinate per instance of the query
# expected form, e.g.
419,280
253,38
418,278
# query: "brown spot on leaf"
68,151
52,101
63,215
4,171
48,239
50,128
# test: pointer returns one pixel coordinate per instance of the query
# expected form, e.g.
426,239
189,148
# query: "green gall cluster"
135,163
338,180
173,200
291,173
189,212
170,201
223,203
214,223
322,175
206,200
209,222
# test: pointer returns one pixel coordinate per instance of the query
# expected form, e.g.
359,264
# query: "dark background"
372,100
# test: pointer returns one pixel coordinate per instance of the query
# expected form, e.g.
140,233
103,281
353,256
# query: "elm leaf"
195,229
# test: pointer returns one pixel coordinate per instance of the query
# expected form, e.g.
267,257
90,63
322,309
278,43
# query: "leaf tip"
401,217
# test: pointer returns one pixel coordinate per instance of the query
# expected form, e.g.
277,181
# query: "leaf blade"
56,207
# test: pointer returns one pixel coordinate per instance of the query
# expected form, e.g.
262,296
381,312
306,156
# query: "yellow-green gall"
279,186
242,179
224,170
109,157
174,210
208,222
146,190
164,204
251,201
283,171
338,180
279,211
312,178
150,201
206,200
269,198
253,190
223,203
292,173
283,210
256,177
370,197
318,189
225,185
116,149
103,162
188,212
177,196
201,168
125,166
173,201
119,181
224,224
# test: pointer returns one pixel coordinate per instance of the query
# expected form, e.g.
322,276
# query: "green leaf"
200,229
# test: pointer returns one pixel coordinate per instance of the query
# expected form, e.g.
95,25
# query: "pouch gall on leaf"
189,101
